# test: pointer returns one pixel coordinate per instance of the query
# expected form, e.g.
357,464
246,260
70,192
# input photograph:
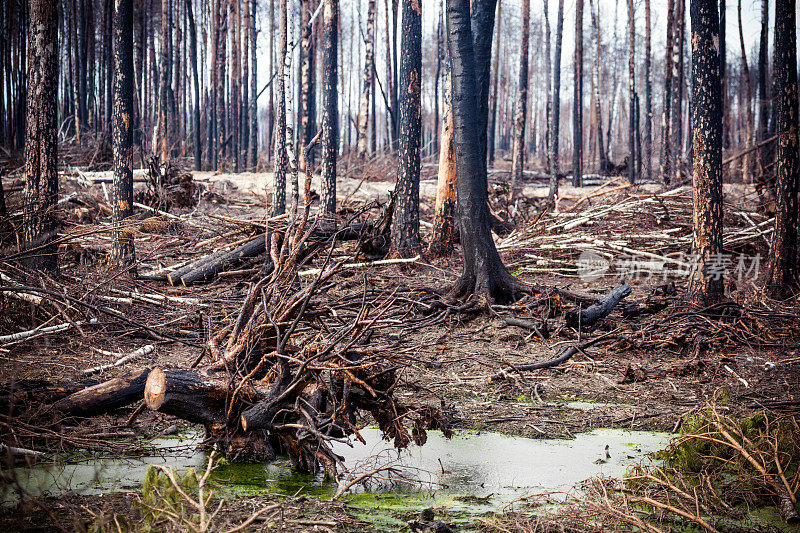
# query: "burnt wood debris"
281,221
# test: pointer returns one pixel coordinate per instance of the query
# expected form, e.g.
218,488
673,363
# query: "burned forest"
407,265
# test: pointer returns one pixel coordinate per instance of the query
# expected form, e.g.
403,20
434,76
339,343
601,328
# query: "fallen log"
104,397
586,319
565,356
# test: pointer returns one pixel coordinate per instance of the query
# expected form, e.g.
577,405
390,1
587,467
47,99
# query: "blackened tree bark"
366,85
236,82
707,279
198,144
122,133
484,276
493,126
281,158
648,98
598,110
482,21
439,61
253,129
220,60
577,105
556,104
330,106
41,151
723,69
549,80
518,153
165,122
676,127
746,160
783,272
405,223
82,45
632,125
666,122
306,108
763,74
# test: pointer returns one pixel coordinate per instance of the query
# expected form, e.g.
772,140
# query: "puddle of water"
476,465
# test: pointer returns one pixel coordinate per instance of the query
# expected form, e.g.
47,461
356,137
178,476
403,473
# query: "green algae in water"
489,466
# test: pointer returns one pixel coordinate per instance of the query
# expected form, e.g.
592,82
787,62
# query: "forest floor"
656,367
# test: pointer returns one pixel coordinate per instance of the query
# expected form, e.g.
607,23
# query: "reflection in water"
475,464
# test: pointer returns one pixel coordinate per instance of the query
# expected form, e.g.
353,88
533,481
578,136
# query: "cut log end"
155,389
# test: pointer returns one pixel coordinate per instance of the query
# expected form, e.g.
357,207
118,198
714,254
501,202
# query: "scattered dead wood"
586,319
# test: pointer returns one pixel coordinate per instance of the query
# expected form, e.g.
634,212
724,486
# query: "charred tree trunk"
219,83
632,125
763,73
490,139
747,159
676,128
647,152
198,145
723,69
482,21
518,154
306,120
484,275
405,223
122,133
577,106
41,150
253,129
707,279
549,96
783,272
236,83
366,85
598,110
556,104
330,106
666,119
281,158
165,122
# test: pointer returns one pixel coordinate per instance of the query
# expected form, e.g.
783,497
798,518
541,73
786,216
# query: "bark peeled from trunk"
108,395
405,226
518,153
41,150
668,81
783,273
632,123
366,88
122,133
556,104
306,120
577,103
484,275
281,158
707,279
330,113
441,242
165,120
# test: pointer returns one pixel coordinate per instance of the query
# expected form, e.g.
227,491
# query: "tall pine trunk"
41,150
556,104
707,279
577,105
676,106
330,106
306,120
405,223
747,165
598,110
632,123
165,120
783,272
122,134
443,228
281,158
549,82
648,99
253,129
366,84
518,153
666,115
490,139
198,145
